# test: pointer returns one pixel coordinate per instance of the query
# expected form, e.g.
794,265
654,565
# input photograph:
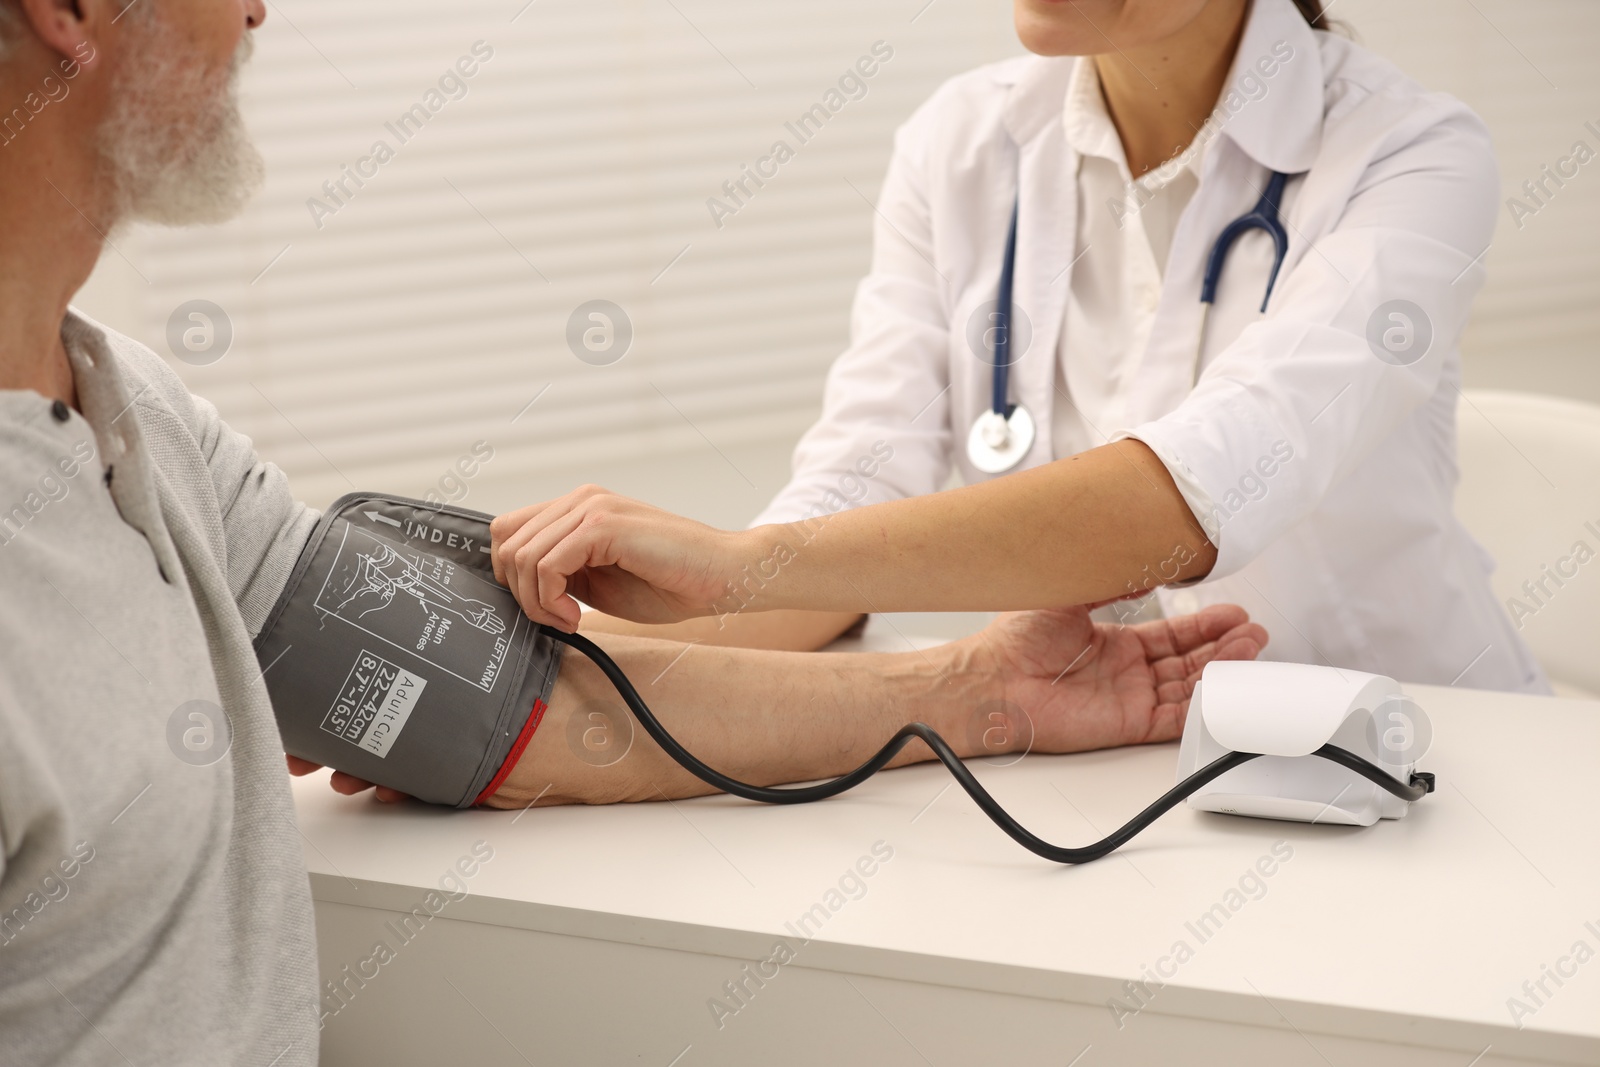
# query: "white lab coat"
1350,554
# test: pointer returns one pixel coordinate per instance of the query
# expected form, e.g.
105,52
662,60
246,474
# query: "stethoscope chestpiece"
1002,435
998,443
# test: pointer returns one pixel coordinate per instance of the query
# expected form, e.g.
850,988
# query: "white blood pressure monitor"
1286,711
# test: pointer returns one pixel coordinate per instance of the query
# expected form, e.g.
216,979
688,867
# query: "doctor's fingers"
533,577
510,549
505,557
501,529
528,520
574,546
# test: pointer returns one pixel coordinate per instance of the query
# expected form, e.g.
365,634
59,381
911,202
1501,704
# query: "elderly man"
153,910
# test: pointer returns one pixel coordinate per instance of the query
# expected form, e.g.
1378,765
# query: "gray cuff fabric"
394,655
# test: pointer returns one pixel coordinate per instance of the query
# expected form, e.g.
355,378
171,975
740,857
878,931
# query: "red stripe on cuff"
523,738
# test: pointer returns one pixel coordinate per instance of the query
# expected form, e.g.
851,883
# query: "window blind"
378,337
381,328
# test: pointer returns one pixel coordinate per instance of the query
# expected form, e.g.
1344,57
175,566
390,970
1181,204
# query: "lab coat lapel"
1281,129
1046,234
1167,369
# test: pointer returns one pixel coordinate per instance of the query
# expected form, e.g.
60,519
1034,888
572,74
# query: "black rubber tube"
805,794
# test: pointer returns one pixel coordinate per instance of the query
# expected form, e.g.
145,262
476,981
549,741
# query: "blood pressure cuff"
394,655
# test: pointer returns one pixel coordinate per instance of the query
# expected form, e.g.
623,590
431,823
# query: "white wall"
422,316
1528,67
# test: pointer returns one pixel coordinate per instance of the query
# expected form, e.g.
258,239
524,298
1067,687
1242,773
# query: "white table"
601,935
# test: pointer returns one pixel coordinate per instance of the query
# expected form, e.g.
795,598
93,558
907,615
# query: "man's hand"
1086,685
617,555
348,784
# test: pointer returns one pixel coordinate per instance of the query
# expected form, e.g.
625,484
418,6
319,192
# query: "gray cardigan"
154,906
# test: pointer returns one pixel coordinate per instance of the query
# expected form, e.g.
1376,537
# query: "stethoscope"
1002,435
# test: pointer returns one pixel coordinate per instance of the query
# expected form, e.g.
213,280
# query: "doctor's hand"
1084,685
617,555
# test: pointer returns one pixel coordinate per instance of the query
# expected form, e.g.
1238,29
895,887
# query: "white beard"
174,145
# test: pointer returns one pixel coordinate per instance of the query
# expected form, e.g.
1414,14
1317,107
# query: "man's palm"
1086,685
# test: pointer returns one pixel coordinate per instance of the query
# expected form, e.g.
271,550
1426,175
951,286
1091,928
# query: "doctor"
1139,391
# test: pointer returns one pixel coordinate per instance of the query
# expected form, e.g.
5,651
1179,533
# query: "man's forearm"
1092,528
758,716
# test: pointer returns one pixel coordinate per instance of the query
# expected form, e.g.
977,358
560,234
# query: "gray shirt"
154,906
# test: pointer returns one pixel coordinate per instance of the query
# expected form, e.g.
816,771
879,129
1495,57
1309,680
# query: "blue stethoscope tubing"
1264,216
1002,322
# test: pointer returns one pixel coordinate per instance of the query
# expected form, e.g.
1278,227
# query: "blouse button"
60,412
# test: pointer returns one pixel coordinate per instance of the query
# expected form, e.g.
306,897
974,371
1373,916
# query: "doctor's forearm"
1101,525
784,631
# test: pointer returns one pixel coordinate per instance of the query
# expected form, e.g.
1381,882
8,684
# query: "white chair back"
1530,494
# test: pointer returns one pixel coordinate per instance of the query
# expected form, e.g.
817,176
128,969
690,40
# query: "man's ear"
74,29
